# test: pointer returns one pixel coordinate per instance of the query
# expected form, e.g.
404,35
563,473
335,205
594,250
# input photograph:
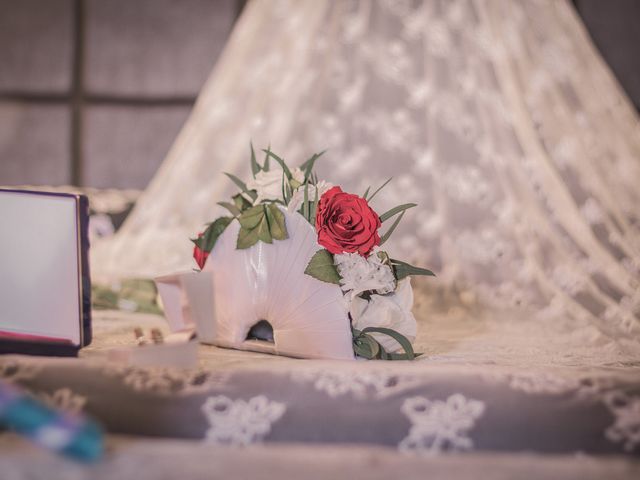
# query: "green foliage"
287,191
253,227
265,164
396,210
241,202
388,233
255,168
403,269
233,209
242,186
366,346
307,167
384,257
321,267
261,223
305,202
210,236
376,192
134,294
314,209
277,224
280,161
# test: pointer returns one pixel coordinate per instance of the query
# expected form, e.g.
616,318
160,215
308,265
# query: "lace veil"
498,118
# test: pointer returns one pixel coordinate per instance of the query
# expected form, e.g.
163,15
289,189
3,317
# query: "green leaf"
252,217
388,233
363,344
305,201
264,232
253,227
307,167
402,356
396,210
321,267
403,269
247,238
366,192
241,202
285,169
277,224
314,209
383,355
235,211
398,337
379,188
255,168
287,191
284,190
384,257
366,346
242,186
265,164
212,232
261,223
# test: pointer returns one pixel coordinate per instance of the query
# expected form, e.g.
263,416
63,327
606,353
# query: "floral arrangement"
376,287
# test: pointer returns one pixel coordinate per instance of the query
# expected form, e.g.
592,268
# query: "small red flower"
346,223
200,255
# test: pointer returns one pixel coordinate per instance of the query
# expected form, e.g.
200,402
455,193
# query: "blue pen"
71,435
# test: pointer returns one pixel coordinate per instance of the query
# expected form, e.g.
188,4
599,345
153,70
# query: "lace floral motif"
240,422
626,427
64,399
13,371
168,380
440,425
360,385
538,382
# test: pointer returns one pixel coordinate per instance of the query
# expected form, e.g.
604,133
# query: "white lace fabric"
466,397
451,339
498,117
440,425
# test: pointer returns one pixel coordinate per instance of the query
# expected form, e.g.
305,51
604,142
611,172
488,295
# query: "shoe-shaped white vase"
266,282
238,289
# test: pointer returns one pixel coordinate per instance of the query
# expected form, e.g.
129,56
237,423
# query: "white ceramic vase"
266,282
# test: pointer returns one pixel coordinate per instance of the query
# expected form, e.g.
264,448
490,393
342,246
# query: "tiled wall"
94,91
614,26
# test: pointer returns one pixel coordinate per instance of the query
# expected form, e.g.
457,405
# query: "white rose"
359,274
389,311
268,185
298,195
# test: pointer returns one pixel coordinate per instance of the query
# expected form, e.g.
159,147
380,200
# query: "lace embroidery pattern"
360,385
167,381
626,427
440,425
538,383
240,422
64,399
13,371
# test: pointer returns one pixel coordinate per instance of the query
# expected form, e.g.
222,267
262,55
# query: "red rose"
346,223
200,255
